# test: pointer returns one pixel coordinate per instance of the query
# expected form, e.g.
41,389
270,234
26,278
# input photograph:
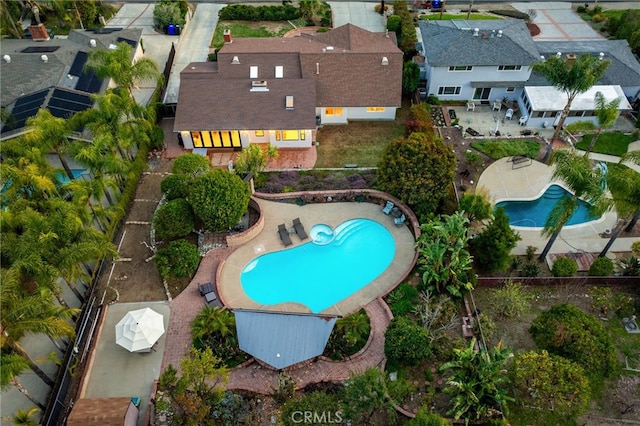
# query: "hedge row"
260,13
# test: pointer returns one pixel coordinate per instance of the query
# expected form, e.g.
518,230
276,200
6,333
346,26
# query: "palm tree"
12,366
584,182
28,312
213,320
354,327
606,112
118,64
572,78
25,418
49,133
624,184
476,382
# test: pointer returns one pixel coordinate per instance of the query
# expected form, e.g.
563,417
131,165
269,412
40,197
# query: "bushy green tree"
476,382
219,198
443,260
326,407
406,342
567,331
418,170
476,207
166,13
550,383
191,164
564,267
179,259
410,77
364,394
492,247
176,186
174,219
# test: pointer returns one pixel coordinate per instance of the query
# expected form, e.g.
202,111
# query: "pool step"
345,232
555,192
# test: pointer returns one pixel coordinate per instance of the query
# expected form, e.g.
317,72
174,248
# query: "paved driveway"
557,21
357,13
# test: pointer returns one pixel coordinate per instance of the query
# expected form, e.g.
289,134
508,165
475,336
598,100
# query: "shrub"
426,418
176,186
403,299
174,219
433,100
405,342
530,269
601,267
550,383
165,13
511,300
157,138
511,14
219,198
564,267
394,23
569,332
179,259
492,247
472,157
191,164
317,402
630,267
485,326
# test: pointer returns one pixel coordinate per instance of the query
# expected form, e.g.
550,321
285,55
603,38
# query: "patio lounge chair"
509,114
399,221
299,227
205,288
211,299
284,235
387,208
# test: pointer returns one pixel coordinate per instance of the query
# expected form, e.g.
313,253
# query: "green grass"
497,149
247,29
608,143
449,17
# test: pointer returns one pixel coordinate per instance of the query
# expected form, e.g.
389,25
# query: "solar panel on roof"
128,41
89,82
65,103
25,107
78,63
72,97
40,49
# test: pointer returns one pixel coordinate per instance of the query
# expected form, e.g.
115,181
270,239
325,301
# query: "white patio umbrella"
138,330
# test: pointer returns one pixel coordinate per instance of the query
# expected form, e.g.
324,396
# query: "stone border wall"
244,237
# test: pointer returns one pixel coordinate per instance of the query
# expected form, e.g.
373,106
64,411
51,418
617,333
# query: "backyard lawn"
250,29
497,149
608,143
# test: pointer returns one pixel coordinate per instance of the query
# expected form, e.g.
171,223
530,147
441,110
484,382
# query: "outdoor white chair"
523,120
497,106
509,114
471,106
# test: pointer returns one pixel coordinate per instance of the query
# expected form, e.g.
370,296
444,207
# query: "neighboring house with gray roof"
50,74
476,60
278,90
624,70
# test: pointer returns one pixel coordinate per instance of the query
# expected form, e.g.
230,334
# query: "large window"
509,68
461,68
260,133
290,135
333,112
222,139
449,90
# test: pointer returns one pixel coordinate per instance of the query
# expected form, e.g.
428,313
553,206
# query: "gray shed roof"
282,339
624,69
449,43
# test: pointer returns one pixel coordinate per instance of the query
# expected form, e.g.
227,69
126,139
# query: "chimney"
476,32
227,36
499,33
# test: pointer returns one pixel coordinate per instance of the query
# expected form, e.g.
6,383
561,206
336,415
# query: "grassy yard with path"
241,29
608,143
497,149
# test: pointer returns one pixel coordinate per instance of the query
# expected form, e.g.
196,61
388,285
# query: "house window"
576,113
449,90
279,71
509,68
510,89
461,68
539,114
290,135
260,133
253,71
375,109
333,112
302,135
277,135
197,140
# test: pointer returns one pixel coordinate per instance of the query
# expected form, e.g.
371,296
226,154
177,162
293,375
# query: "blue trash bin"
171,29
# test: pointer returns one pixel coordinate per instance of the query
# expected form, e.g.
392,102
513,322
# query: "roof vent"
385,60
499,33
235,60
44,58
7,58
92,43
542,57
476,32
601,56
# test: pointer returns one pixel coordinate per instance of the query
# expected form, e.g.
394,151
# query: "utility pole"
444,3
469,11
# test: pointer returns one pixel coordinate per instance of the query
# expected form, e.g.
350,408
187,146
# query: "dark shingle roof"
449,43
282,339
624,69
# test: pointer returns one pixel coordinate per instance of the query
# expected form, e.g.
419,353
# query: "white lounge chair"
509,114
471,106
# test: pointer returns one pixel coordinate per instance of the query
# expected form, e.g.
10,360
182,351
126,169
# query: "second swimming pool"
324,271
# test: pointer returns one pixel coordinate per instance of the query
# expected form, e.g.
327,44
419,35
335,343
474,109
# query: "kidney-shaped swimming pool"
324,271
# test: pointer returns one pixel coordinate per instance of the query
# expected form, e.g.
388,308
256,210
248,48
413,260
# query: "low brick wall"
244,237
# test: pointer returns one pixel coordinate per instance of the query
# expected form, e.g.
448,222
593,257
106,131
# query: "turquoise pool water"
534,213
324,271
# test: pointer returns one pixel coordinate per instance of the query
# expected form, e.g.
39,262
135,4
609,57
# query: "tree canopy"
418,170
492,247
